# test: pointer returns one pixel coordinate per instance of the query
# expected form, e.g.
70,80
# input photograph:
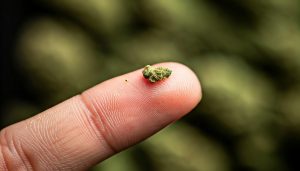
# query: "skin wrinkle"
10,152
98,120
31,127
19,153
85,128
4,162
85,119
3,165
61,143
81,128
49,148
28,159
37,132
54,135
97,106
51,136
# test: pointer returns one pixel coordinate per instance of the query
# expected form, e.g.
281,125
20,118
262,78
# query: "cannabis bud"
154,74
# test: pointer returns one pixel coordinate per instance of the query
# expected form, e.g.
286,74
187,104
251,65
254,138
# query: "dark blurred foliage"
245,52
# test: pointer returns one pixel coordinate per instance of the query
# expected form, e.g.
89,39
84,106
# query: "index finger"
103,120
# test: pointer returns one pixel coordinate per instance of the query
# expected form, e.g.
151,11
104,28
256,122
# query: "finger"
103,120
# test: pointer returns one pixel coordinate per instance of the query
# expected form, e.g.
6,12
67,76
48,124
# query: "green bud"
156,74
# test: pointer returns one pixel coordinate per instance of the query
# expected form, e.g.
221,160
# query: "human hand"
88,128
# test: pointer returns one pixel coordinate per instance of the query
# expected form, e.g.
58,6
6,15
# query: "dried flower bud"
156,74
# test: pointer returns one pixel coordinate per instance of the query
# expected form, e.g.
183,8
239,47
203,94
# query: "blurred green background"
245,52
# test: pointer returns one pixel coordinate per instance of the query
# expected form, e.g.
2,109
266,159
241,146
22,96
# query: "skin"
88,128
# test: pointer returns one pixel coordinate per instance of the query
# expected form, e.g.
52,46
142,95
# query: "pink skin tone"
88,128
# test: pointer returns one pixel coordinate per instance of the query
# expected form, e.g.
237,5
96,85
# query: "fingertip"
136,108
182,90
